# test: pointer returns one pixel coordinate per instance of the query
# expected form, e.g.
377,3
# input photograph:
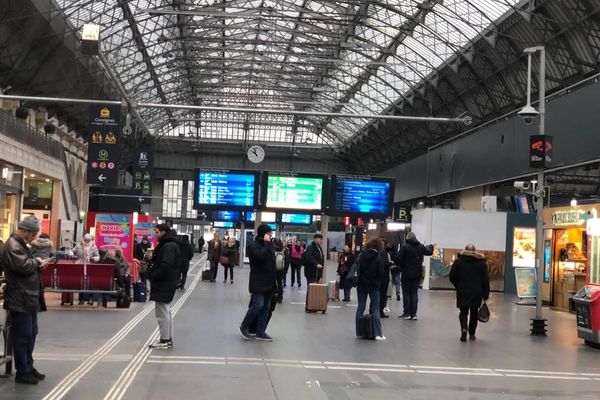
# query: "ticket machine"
587,300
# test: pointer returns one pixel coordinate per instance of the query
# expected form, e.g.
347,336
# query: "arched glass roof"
347,56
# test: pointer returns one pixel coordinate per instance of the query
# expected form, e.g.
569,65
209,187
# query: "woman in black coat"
345,261
470,277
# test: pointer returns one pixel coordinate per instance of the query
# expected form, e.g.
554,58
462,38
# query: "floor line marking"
537,372
454,368
120,387
570,378
441,372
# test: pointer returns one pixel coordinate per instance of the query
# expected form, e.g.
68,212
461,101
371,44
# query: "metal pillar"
538,324
325,243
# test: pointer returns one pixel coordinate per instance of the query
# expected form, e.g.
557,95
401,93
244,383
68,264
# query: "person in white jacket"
86,250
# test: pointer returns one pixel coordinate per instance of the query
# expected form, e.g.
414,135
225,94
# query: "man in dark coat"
164,278
263,276
314,260
471,278
410,262
23,297
200,243
187,253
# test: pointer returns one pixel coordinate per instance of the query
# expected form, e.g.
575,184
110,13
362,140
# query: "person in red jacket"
296,261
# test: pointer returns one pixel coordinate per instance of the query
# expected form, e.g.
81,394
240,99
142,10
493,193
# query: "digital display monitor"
268,217
226,215
356,195
236,190
296,219
273,226
250,216
294,192
223,224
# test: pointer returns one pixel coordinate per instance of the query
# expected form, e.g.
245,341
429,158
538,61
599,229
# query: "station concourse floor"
90,353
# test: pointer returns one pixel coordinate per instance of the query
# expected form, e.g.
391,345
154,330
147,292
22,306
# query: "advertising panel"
524,247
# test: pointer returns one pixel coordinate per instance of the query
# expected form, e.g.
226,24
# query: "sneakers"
386,310
26,379
38,375
245,334
380,338
346,300
231,282
402,316
414,318
162,344
264,338
408,317
472,337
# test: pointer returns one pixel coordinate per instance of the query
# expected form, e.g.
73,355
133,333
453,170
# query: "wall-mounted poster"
526,282
524,247
441,263
146,229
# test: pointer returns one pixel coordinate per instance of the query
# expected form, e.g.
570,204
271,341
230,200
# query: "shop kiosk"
587,300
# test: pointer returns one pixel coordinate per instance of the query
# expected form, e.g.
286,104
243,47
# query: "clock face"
256,154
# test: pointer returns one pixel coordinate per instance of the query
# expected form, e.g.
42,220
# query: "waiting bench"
66,276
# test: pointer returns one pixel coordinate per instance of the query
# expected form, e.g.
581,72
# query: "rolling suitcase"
365,327
316,298
333,291
139,292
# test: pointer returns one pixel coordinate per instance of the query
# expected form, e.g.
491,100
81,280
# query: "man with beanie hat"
23,297
263,278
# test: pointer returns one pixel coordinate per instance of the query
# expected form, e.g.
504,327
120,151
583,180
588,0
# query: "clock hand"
255,152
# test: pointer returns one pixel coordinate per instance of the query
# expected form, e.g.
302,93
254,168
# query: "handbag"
223,260
483,315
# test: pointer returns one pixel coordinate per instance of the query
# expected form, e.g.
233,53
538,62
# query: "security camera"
522,185
528,113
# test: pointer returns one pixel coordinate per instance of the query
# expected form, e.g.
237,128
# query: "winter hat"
263,230
29,223
411,236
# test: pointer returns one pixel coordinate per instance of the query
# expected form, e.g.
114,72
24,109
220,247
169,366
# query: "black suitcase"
365,327
206,275
139,292
123,300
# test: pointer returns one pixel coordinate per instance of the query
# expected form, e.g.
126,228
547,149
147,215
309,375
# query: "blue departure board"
250,216
226,215
362,196
237,190
296,219
223,224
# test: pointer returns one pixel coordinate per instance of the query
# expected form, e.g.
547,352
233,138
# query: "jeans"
347,292
373,309
258,311
462,317
296,268
183,275
24,330
397,284
165,320
280,281
383,296
230,269
410,291
214,268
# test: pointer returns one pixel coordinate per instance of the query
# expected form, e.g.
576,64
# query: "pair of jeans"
260,305
183,275
462,317
164,317
214,268
230,269
410,291
296,268
373,309
383,296
24,330
347,292
397,284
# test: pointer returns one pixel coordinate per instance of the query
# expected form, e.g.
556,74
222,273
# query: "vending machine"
587,300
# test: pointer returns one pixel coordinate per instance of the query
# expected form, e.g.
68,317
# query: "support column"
325,243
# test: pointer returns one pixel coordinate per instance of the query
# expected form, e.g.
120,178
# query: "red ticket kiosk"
587,300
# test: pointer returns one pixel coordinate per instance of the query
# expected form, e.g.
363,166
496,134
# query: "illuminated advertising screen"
223,224
361,195
296,219
294,192
236,190
250,216
524,247
226,216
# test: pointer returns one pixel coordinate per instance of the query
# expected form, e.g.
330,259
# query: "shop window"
8,212
38,194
